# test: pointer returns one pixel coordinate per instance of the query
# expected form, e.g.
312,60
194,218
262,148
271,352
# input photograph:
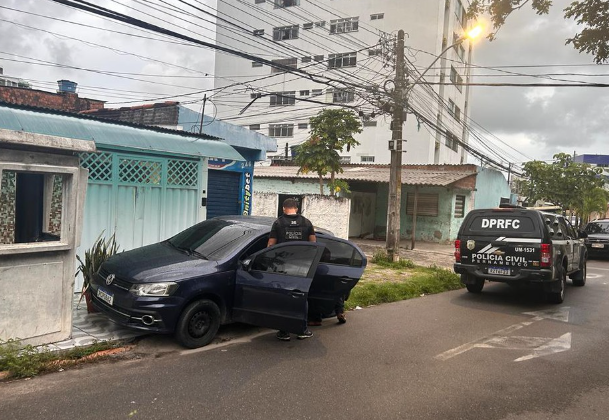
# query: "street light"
395,171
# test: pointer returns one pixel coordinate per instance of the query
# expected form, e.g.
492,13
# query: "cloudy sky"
527,122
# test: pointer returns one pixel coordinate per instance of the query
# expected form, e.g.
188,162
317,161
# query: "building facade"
349,48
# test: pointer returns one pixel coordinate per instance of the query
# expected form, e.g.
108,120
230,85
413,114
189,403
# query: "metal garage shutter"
223,193
427,205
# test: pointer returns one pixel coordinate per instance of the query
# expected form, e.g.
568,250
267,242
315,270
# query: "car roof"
261,222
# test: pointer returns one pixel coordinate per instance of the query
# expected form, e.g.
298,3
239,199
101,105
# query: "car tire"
559,297
198,324
475,287
579,278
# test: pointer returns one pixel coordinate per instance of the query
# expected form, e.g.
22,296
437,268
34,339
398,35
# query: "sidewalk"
424,253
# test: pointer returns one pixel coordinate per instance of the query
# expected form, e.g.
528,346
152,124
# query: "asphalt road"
503,354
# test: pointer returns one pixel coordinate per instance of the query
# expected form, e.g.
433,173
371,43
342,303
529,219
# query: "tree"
331,131
563,182
594,201
593,15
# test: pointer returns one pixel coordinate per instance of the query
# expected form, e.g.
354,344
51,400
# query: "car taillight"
458,250
546,255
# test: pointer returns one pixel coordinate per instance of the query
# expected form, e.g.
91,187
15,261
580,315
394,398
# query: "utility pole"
395,171
202,114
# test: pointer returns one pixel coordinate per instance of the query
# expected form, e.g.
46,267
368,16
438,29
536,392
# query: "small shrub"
22,361
381,258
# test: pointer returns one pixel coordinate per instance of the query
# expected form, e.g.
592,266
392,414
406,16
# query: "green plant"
95,256
381,258
22,361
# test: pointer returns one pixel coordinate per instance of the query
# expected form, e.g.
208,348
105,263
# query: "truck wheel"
475,286
559,296
579,278
198,324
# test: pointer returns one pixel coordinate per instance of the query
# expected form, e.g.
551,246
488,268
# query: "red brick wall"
61,101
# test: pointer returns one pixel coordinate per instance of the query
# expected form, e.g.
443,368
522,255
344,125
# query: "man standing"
291,226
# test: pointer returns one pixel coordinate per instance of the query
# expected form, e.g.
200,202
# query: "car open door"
340,268
271,289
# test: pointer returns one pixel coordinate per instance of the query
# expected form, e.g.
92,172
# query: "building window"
451,141
260,1
320,24
342,96
460,13
427,204
459,206
318,58
255,95
284,33
283,98
258,32
256,64
375,52
336,61
377,16
305,59
308,25
286,3
303,126
281,130
254,127
459,49
340,26
288,62
370,123
317,92
455,78
304,93
454,110
367,159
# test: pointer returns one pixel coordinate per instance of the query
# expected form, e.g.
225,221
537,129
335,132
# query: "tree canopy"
331,131
571,185
593,15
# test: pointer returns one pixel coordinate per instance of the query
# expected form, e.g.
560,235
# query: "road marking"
593,276
541,346
598,268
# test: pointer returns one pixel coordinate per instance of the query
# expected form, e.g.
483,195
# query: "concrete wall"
323,211
491,185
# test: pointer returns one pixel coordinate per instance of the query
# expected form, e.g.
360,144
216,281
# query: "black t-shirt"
292,227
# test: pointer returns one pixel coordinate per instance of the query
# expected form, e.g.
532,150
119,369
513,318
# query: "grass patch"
382,259
23,361
400,284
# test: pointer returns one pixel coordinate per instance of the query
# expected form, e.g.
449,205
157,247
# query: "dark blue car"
220,271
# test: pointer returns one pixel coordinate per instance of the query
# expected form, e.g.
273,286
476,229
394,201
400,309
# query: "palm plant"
95,256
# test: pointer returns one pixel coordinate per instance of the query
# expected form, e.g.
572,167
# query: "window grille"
281,130
340,26
285,33
459,206
98,164
283,98
336,61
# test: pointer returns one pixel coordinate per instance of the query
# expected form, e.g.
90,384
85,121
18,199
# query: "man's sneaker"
341,318
314,323
305,334
283,336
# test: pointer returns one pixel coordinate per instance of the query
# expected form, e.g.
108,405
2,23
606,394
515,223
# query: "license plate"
597,245
500,271
105,296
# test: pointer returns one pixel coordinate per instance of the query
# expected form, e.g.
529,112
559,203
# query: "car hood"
598,236
156,263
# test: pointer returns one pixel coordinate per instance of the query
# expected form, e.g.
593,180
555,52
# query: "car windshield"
598,227
213,239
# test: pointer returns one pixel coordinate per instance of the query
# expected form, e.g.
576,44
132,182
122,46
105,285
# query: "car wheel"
579,278
475,286
559,296
198,324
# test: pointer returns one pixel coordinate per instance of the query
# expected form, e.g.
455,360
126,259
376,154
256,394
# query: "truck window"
502,223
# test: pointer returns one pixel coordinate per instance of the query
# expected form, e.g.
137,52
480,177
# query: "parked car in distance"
219,271
516,245
597,241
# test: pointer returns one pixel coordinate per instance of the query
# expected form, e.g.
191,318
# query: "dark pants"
316,314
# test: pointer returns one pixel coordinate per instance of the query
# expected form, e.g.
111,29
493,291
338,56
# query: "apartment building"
345,49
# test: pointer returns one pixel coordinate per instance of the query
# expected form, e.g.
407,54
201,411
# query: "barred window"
459,206
288,62
283,98
339,26
336,61
285,32
281,130
367,159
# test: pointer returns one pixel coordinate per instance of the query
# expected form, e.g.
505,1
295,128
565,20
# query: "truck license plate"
597,245
105,296
500,271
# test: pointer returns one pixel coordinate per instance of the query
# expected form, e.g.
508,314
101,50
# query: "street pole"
202,114
395,171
